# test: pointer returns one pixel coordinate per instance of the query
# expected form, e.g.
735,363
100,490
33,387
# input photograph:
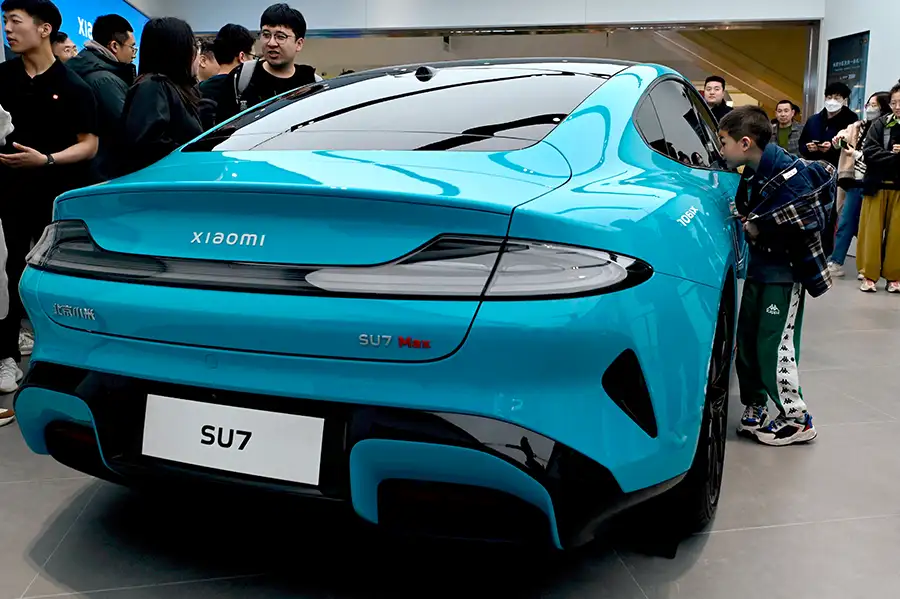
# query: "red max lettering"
414,343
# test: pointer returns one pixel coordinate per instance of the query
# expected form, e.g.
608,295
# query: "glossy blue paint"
535,364
538,364
36,408
375,460
277,324
627,198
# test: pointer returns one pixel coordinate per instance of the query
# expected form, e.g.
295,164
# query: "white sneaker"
26,342
10,375
7,416
861,277
835,269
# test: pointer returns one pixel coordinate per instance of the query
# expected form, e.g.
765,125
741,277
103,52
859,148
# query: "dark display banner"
848,62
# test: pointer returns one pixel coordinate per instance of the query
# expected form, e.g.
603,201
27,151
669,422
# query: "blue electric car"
471,299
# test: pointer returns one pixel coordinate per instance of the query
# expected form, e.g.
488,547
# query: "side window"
648,124
711,129
680,124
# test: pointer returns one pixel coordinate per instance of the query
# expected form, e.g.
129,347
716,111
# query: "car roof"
600,67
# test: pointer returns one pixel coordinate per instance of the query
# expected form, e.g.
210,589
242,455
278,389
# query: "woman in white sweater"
6,127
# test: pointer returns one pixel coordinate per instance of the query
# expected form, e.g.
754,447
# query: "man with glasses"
107,65
282,33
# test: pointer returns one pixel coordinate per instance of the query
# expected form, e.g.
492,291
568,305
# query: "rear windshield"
454,109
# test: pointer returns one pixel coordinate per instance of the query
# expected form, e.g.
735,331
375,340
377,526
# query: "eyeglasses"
894,104
280,37
134,49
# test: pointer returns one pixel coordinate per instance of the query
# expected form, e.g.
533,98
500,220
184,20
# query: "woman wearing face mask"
879,223
851,170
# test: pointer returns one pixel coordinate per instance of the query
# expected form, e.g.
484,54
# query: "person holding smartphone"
816,141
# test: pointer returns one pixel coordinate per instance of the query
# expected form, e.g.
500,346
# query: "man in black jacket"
821,128
107,65
48,153
282,33
232,47
815,141
714,92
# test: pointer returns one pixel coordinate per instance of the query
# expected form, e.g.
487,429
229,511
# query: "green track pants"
768,346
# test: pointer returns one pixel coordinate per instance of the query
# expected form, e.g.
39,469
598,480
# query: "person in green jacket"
107,65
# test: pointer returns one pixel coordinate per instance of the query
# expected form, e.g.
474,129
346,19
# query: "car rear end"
319,310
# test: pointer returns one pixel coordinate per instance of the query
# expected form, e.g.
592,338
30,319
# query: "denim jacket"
791,200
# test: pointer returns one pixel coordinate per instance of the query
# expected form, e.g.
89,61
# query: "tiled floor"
821,521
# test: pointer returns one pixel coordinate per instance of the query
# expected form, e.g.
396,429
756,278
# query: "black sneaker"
787,431
754,418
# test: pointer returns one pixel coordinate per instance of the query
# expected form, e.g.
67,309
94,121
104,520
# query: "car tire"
689,507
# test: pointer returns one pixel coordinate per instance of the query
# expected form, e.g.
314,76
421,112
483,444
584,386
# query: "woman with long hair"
163,110
851,170
879,225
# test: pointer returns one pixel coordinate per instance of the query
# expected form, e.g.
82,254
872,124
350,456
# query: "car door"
709,128
690,140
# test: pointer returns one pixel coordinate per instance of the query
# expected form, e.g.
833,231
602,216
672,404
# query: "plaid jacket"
790,209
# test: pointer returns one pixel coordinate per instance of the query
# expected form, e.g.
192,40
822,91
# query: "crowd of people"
865,153
806,191
70,119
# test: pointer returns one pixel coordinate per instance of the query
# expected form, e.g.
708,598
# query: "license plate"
278,446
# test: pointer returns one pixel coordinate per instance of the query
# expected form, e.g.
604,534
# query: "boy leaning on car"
784,202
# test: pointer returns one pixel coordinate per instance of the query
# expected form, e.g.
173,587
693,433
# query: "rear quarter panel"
625,197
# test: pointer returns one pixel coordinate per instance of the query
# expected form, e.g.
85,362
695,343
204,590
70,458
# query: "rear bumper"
539,365
535,367
93,422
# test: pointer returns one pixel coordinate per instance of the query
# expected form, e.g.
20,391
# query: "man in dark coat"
107,65
821,128
815,140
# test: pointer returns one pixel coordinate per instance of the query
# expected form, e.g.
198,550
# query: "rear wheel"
690,506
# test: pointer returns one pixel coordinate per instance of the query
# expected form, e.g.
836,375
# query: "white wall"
210,15
846,17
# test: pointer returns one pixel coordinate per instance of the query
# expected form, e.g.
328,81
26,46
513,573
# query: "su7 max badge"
386,340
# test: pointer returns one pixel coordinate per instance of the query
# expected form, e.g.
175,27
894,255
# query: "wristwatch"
50,160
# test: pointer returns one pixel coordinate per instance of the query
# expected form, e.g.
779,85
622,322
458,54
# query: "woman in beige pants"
879,225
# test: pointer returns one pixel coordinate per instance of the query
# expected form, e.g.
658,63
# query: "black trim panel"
584,493
73,252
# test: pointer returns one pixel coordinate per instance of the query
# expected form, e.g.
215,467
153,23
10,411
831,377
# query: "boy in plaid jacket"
784,202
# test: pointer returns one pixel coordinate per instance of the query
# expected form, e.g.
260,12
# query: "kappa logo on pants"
773,310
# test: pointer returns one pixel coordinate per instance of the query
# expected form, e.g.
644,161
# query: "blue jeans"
848,225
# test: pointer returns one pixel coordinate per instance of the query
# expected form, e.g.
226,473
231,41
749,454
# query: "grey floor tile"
125,539
875,387
848,471
838,560
595,576
18,463
34,518
132,547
